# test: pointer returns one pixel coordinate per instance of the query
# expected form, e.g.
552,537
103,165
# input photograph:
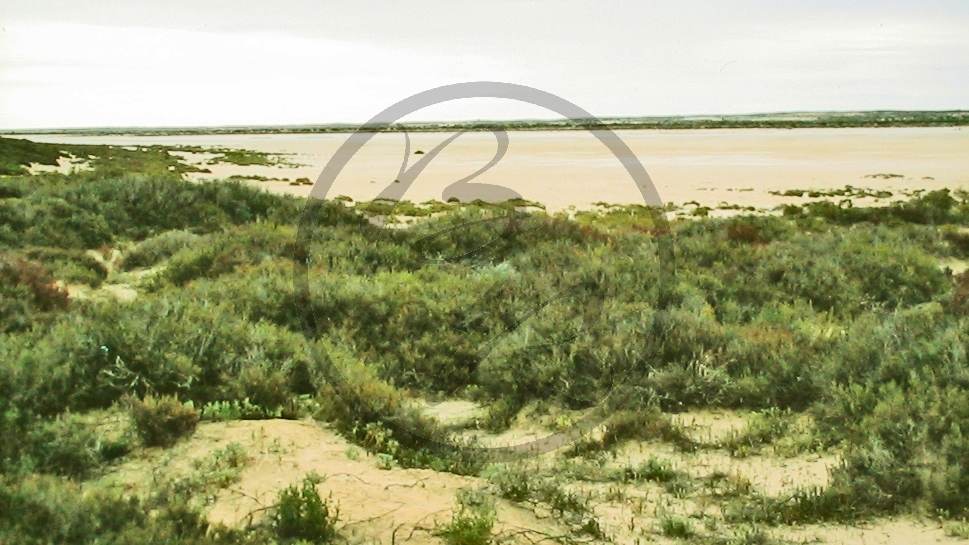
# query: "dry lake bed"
573,168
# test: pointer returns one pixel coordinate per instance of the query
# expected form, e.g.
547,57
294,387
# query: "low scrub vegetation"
834,314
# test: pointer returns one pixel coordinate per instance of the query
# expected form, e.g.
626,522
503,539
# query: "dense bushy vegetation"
837,312
17,154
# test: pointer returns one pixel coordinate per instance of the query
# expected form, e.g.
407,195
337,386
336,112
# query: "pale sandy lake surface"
572,168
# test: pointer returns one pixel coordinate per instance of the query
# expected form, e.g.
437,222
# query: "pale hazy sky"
76,63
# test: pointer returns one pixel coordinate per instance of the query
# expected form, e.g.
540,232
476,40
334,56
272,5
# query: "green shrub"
222,253
221,411
514,484
472,522
39,509
152,251
28,291
653,469
161,422
958,529
375,415
501,413
948,485
69,266
197,349
69,446
16,154
301,514
467,528
96,209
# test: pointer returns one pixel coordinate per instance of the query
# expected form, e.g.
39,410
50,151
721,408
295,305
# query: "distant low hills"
794,120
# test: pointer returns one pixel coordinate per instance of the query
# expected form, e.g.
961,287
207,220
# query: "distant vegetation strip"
17,155
803,120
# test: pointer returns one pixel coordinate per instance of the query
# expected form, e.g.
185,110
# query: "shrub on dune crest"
161,422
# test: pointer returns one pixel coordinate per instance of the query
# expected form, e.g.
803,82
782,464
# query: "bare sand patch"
711,426
121,292
767,474
375,505
65,165
452,413
404,505
879,532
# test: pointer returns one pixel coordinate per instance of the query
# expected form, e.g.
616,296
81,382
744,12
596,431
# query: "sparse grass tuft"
472,522
763,429
653,469
676,527
957,528
467,528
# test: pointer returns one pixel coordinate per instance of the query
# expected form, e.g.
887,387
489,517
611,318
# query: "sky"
79,63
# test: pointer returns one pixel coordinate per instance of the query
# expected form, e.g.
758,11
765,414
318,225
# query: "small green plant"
561,500
513,484
654,469
679,487
800,506
752,536
521,485
591,528
615,494
301,514
386,461
957,528
472,522
221,411
467,528
765,428
501,414
162,421
676,527
728,485
223,466
212,473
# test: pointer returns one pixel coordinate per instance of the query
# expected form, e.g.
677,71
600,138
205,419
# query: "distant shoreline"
873,119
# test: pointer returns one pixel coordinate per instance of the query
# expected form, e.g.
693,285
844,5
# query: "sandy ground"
404,505
375,505
572,168
65,165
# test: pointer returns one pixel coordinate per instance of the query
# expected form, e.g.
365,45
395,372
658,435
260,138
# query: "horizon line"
962,118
